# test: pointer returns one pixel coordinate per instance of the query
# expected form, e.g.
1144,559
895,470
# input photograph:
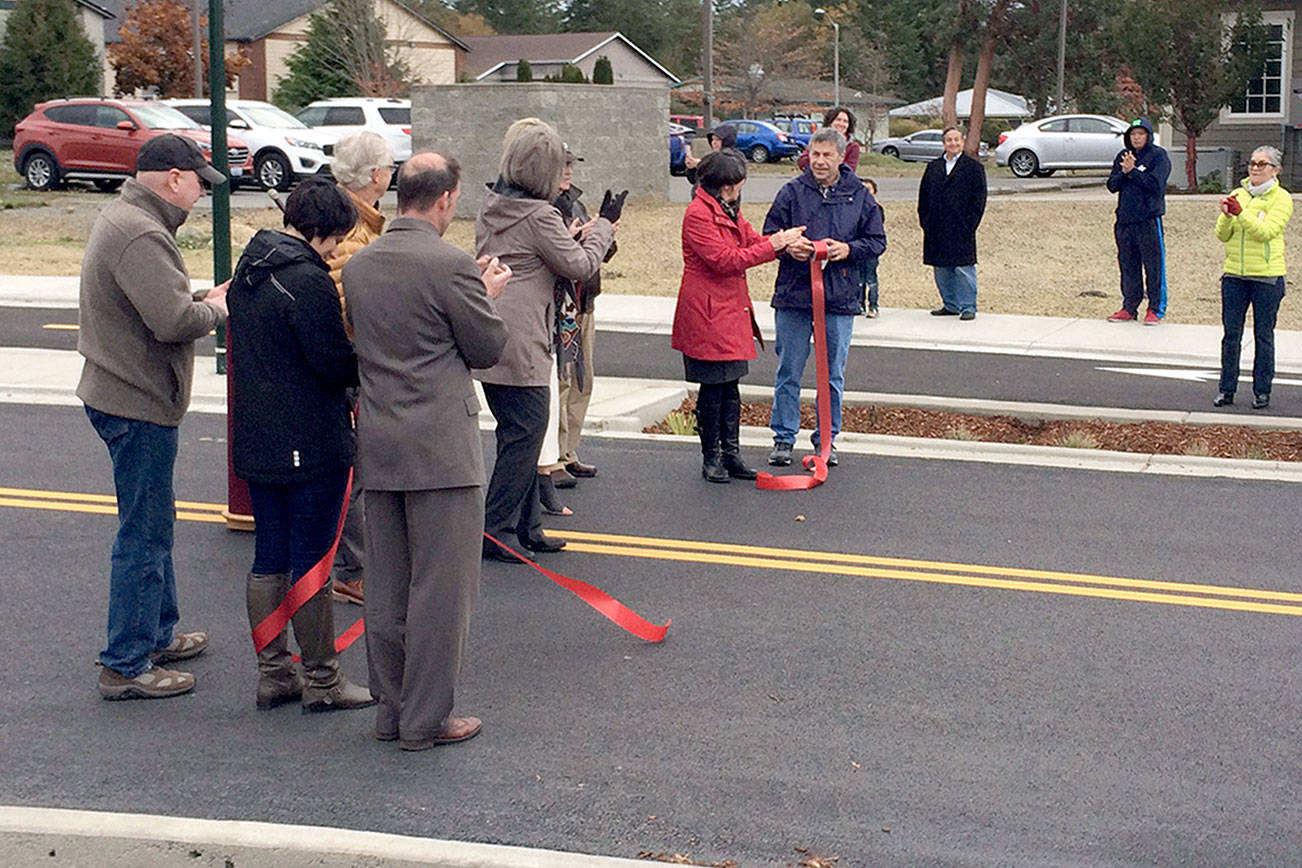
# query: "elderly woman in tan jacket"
518,224
363,167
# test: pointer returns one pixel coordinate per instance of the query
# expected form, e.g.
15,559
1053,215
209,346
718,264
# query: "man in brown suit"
422,317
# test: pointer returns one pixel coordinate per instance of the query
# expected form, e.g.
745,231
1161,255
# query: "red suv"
97,140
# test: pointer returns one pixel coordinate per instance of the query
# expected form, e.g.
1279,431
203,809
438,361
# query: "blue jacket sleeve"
779,216
1116,176
870,236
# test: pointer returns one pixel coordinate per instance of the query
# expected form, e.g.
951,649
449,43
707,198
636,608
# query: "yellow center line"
801,560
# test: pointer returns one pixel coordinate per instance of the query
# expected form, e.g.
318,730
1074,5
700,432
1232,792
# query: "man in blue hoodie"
833,205
1139,176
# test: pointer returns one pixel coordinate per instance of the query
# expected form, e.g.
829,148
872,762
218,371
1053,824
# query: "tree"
347,53
523,71
756,47
459,23
45,54
1204,63
668,30
570,74
157,51
602,72
514,16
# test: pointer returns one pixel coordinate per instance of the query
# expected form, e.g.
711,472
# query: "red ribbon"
817,464
598,599
305,588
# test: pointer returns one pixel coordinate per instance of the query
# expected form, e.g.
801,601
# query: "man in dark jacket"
951,202
833,205
138,328
1139,176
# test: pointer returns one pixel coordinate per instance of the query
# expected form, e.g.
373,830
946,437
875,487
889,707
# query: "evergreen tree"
602,72
346,54
515,16
45,54
571,74
523,71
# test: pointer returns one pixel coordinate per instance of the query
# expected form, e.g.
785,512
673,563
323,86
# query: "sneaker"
781,454
349,592
1151,318
944,311
183,647
872,312
153,683
967,316
831,457
1122,315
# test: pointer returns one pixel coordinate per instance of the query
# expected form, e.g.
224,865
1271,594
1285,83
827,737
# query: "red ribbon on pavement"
598,599
817,464
305,588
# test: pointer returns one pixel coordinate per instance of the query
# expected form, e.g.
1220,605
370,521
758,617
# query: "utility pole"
196,10
221,193
836,54
1062,56
707,63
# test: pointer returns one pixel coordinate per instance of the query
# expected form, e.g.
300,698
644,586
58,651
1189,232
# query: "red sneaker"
1122,315
1151,318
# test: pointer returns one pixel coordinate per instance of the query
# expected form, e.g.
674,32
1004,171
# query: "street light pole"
1062,56
836,56
707,64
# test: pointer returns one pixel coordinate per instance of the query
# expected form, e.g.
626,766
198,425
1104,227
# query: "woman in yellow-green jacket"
1251,224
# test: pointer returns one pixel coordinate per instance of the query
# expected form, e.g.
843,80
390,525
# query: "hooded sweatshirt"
290,364
1142,190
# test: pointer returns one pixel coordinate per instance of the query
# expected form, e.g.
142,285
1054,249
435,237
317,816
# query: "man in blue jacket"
834,206
1139,176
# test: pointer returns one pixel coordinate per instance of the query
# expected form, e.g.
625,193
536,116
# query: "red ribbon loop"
816,464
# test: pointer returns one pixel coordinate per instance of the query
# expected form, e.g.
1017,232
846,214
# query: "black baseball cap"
569,155
170,151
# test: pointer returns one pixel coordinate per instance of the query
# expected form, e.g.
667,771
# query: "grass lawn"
1038,257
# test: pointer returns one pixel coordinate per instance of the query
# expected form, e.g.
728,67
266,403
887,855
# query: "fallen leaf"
800,518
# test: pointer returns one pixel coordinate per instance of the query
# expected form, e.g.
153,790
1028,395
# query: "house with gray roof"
495,58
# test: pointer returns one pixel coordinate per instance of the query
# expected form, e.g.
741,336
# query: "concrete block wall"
619,131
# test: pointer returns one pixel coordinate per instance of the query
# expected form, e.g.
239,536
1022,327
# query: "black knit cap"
169,151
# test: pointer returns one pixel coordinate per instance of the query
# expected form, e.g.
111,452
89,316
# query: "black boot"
730,436
707,426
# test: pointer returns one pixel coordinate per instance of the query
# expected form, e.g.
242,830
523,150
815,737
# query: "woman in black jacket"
951,202
290,365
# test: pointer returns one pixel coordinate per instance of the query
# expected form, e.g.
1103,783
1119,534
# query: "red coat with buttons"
714,320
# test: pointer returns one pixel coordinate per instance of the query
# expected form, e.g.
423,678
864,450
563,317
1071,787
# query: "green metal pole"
221,193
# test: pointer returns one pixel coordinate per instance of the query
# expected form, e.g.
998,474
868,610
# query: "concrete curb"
55,836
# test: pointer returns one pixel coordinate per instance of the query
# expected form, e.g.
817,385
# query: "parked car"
924,145
97,140
1061,142
390,118
677,152
284,148
799,129
762,142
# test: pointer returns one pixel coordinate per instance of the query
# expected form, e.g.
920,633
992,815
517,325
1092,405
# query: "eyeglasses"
1261,164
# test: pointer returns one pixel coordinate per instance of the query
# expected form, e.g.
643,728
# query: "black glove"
612,206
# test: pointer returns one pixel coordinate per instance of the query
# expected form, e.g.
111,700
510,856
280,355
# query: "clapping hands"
612,206
495,274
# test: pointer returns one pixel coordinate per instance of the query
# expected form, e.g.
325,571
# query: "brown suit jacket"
421,321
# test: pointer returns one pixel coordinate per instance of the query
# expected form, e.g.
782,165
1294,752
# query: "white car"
390,118
1061,142
284,148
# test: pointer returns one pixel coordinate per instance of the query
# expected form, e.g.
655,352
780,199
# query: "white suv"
390,118
284,148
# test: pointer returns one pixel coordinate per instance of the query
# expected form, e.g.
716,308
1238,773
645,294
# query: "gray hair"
533,157
1272,153
356,155
829,135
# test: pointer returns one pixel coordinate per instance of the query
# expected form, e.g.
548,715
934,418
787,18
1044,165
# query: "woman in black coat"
291,363
951,201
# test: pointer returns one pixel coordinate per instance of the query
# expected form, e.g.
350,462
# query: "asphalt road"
869,369
888,713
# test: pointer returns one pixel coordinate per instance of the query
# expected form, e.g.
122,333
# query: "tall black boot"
707,426
730,434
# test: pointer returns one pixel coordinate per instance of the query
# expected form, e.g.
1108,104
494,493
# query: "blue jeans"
869,273
142,584
958,286
295,523
1236,295
795,331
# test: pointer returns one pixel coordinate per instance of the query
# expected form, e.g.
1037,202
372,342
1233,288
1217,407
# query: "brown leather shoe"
455,730
561,478
349,592
581,470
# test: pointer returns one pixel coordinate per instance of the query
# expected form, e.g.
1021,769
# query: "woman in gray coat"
518,224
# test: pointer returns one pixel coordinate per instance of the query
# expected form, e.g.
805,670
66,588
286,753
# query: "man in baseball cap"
166,152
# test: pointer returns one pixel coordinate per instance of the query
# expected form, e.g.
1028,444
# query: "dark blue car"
762,142
799,129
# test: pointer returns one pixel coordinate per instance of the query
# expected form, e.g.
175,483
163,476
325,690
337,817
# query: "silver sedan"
1061,142
924,145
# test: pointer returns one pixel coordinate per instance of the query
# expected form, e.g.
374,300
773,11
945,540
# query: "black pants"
511,504
1141,253
1236,294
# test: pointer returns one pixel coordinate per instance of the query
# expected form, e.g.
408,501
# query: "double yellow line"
1222,597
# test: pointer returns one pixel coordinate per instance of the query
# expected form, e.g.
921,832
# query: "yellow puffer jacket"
369,226
1254,238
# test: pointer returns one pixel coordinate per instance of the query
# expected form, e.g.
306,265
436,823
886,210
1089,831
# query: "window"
1090,125
1058,126
1267,95
929,136
399,116
109,117
313,117
83,115
345,116
197,113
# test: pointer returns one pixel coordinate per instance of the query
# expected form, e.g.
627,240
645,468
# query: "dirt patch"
1163,438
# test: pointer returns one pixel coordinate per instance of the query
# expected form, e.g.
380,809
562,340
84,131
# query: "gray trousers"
422,579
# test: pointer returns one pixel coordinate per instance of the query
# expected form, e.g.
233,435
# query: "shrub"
523,71
602,71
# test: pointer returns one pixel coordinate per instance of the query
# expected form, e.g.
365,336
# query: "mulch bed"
1165,438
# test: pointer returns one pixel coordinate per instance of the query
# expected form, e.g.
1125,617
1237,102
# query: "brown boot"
327,689
278,678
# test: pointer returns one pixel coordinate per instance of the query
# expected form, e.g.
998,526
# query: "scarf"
1258,189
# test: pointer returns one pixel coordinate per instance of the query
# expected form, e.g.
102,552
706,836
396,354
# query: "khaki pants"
573,400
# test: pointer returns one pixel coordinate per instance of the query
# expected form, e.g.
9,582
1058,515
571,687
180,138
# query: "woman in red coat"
714,325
